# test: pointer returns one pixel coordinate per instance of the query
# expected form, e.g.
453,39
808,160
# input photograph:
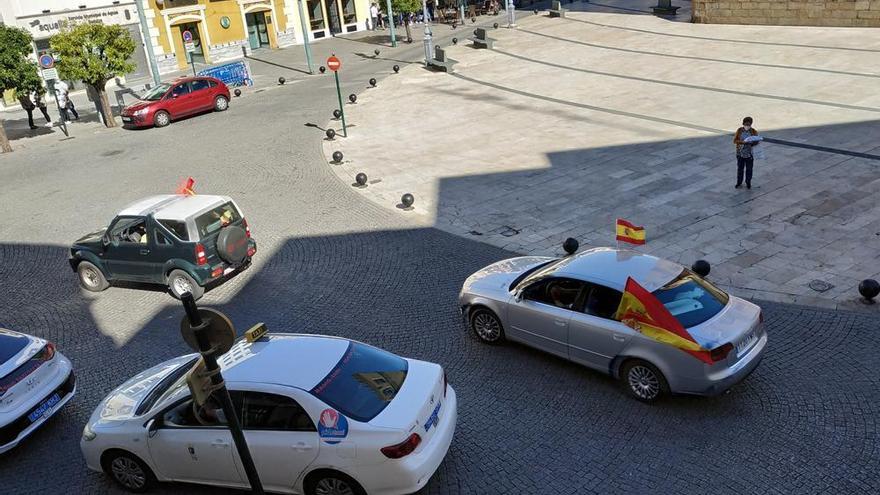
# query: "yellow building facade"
214,31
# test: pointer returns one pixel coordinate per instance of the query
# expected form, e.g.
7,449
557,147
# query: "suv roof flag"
187,187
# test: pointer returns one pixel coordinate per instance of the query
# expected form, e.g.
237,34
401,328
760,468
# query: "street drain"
820,285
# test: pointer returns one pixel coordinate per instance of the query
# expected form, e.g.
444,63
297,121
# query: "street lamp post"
391,23
429,45
148,41
305,35
511,14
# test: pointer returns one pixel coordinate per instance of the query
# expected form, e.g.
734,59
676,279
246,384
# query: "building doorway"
198,54
333,12
258,33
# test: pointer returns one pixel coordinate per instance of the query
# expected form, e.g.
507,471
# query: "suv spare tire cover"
232,244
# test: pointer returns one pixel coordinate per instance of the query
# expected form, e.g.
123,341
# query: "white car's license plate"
746,343
44,407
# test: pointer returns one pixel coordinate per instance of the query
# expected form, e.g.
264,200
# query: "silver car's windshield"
691,299
534,274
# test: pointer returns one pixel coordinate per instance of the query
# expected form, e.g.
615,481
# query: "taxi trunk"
416,409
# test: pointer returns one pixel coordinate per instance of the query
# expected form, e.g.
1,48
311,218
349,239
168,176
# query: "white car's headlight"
141,111
88,434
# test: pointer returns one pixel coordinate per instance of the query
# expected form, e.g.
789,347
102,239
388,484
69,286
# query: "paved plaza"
338,260
571,123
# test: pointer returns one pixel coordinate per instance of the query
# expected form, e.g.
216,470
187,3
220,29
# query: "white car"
35,382
322,415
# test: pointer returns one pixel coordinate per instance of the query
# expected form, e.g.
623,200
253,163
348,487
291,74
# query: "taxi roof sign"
256,332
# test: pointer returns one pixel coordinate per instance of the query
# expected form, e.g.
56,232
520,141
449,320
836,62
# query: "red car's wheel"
161,119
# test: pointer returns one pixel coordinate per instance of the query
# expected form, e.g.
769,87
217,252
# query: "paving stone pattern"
571,123
332,262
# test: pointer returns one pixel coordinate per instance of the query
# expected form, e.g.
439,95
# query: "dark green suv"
186,242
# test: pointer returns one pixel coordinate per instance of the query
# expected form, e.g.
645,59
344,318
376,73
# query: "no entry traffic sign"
47,61
187,36
333,63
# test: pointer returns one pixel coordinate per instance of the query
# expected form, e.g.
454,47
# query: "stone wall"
857,13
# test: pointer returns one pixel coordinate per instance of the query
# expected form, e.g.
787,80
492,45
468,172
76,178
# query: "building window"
316,15
348,12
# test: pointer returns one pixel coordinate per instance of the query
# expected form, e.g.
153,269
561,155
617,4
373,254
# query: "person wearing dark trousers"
28,107
744,159
41,104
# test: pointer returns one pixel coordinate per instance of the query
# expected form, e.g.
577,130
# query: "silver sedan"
566,306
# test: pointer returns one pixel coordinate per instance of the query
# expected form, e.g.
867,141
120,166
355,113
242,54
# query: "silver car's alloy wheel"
128,473
333,486
90,277
487,327
181,286
643,382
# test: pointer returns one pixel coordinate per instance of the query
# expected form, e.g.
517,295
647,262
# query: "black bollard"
337,114
495,25
571,245
353,98
376,51
454,41
454,25
330,134
361,179
407,200
337,157
321,69
373,82
869,289
237,92
701,268
536,11
281,80
396,68
473,20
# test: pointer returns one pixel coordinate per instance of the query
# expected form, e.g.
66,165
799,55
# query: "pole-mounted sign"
335,64
211,334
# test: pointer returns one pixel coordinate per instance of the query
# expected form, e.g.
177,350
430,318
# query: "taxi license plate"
45,406
746,343
126,119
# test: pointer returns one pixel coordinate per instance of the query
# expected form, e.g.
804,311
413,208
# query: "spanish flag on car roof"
630,233
644,313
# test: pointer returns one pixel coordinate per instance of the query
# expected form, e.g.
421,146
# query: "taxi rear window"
211,221
363,382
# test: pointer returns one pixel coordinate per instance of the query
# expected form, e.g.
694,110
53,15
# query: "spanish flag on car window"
644,313
630,233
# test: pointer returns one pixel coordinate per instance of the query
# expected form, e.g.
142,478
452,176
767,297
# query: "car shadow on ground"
540,416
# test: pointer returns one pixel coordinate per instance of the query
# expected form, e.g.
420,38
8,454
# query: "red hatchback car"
176,99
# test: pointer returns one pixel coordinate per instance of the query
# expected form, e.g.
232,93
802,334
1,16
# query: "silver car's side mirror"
152,427
517,296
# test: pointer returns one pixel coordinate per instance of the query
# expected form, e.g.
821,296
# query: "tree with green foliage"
94,54
17,72
406,7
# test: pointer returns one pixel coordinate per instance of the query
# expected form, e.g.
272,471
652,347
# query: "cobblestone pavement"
570,123
331,262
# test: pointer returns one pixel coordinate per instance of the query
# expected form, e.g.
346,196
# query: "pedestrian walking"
39,100
28,106
744,141
64,101
374,16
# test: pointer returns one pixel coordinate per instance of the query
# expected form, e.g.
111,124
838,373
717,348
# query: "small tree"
94,54
406,7
16,70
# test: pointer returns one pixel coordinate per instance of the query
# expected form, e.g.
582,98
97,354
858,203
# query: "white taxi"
321,415
35,382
